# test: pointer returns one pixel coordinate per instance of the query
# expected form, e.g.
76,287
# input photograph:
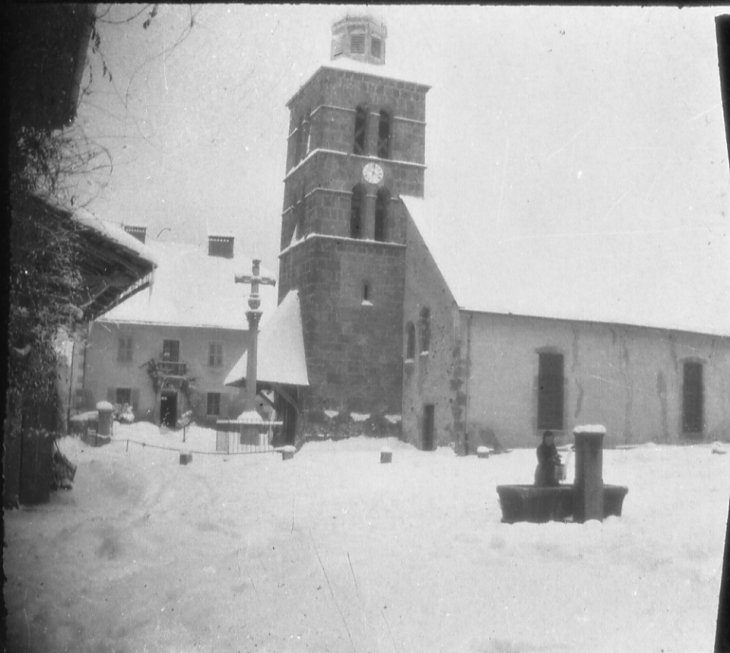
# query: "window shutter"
135,400
111,395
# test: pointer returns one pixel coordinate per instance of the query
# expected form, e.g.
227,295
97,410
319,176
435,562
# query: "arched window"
410,341
306,133
356,210
384,135
361,129
301,215
425,329
298,141
381,214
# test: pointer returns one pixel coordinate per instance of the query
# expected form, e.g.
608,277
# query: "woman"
547,461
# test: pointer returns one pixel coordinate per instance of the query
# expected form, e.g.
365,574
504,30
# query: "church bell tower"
356,143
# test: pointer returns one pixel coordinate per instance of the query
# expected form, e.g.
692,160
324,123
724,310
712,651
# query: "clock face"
372,173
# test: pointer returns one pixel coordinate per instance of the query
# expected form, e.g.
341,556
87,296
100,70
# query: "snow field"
334,551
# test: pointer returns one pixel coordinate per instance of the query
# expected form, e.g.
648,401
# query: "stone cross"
254,316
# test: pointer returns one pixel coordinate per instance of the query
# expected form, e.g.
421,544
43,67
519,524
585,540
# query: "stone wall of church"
434,377
627,378
330,99
352,344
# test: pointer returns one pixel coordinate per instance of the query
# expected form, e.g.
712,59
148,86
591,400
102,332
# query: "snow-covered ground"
333,551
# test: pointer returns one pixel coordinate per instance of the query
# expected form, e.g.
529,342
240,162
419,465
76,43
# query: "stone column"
588,499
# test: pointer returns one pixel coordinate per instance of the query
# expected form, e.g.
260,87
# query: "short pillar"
186,457
386,455
105,410
588,499
287,452
482,452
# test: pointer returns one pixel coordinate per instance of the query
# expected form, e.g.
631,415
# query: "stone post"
588,499
254,423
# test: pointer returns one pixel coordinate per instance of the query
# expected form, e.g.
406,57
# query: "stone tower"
356,142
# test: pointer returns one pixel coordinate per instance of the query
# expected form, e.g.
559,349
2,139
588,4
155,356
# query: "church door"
428,439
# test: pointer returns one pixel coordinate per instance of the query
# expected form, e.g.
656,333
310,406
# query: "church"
374,330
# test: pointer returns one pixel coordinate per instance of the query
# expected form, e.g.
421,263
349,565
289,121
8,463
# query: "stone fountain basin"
529,503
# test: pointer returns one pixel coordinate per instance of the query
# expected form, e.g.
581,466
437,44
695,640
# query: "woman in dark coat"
547,460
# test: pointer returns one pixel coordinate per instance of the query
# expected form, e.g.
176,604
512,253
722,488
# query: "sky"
334,551
567,147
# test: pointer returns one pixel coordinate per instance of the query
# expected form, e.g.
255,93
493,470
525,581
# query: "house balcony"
172,368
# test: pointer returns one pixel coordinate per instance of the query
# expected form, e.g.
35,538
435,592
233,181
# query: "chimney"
359,37
221,246
140,233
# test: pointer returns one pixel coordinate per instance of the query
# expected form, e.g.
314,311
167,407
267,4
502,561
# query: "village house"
167,351
391,334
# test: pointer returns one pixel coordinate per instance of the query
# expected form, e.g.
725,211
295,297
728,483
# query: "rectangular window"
171,350
215,354
123,396
692,398
550,392
214,403
124,353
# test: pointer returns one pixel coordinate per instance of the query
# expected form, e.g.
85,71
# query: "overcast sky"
579,134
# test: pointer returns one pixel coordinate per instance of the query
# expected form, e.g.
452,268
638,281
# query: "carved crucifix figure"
254,316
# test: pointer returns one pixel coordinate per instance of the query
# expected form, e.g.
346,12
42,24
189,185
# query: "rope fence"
202,453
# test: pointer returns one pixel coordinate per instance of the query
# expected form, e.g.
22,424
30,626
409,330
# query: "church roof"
192,289
280,354
611,278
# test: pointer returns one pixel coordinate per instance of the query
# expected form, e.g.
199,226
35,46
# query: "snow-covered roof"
194,289
115,233
386,70
280,354
609,279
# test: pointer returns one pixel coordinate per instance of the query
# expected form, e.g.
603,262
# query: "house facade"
388,331
168,350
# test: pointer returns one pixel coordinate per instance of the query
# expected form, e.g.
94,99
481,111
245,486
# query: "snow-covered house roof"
280,353
194,289
113,265
609,279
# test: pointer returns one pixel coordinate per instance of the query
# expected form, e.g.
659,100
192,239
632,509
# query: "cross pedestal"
253,420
